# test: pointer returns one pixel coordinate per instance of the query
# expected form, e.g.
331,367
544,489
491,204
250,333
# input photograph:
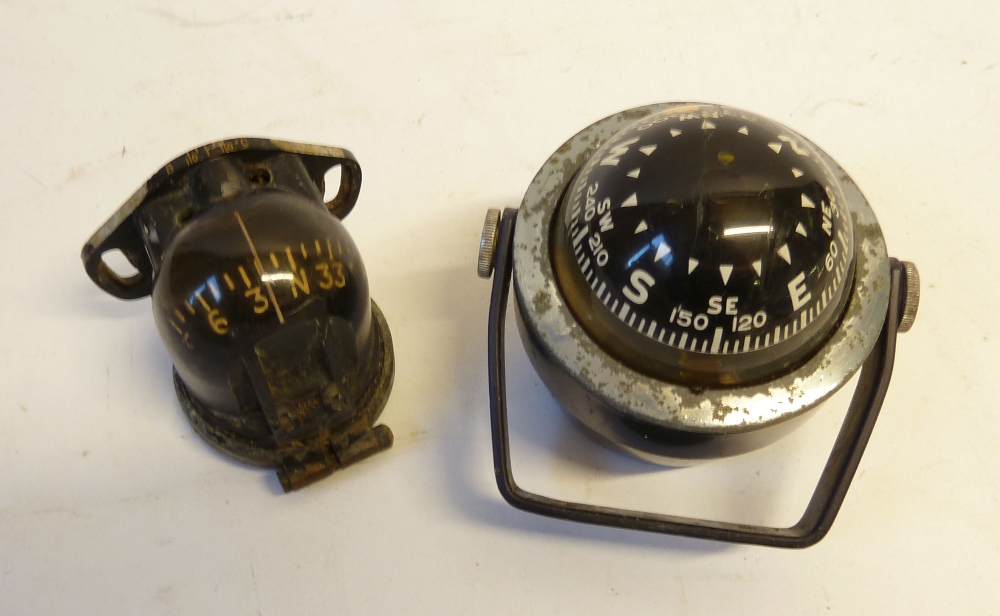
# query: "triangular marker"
807,202
647,150
692,263
743,131
707,125
776,146
661,251
633,173
797,172
801,230
642,227
756,266
784,254
674,132
631,201
725,270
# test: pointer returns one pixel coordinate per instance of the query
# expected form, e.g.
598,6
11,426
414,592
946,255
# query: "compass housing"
763,241
281,358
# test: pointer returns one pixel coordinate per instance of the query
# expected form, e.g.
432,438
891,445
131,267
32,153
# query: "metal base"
301,462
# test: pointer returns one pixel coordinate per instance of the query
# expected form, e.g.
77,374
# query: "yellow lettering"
260,304
300,282
219,323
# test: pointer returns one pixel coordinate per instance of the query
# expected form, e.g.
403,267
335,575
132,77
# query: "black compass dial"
705,245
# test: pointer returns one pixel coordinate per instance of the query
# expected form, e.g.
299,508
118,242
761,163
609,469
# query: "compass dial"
705,245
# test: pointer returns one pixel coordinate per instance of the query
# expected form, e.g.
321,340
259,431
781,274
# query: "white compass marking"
672,336
586,264
684,339
614,306
801,230
647,150
623,313
632,201
579,236
652,329
631,320
776,146
756,266
804,320
674,132
807,202
725,347
784,254
767,340
756,343
692,263
707,125
736,346
777,334
590,275
716,339
578,249
797,172
600,291
704,346
726,271
743,130
642,226
660,337
633,173
746,343
786,332
661,251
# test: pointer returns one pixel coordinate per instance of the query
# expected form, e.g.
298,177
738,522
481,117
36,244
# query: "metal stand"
833,483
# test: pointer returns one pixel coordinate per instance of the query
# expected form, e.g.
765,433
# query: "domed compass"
281,358
691,280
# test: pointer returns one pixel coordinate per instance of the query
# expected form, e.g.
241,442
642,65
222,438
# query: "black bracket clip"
827,498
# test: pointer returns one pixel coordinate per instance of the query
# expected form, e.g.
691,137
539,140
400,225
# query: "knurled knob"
488,243
912,296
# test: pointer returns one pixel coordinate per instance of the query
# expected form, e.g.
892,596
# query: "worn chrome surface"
713,410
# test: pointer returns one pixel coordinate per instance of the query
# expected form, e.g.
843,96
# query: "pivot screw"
912,296
488,243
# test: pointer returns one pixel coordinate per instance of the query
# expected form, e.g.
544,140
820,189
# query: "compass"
691,280
714,242
281,359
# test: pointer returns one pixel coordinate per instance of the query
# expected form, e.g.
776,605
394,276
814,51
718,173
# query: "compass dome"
705,245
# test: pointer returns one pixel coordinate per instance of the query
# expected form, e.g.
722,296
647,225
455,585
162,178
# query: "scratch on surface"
35,179
183,22
842,101
256,596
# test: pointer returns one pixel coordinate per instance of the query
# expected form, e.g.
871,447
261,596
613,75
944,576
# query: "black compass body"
281,358
705,245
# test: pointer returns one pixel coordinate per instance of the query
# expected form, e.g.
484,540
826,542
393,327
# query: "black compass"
691,280
281,358
713,241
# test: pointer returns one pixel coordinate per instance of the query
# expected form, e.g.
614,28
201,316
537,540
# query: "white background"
110,504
